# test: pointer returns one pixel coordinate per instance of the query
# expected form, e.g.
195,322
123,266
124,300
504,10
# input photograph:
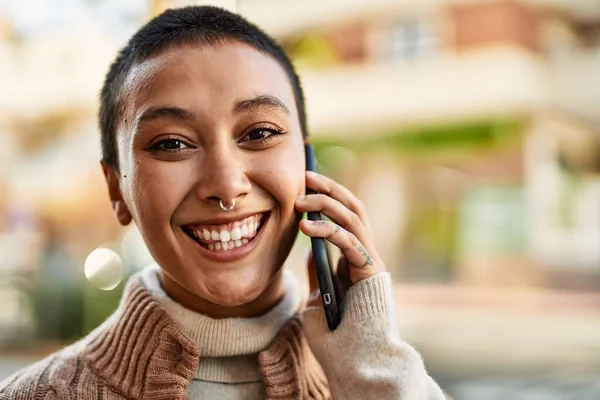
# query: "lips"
225,237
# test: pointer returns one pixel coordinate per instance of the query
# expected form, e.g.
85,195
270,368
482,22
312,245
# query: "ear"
116,195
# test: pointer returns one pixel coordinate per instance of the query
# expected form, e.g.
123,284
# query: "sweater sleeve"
365,358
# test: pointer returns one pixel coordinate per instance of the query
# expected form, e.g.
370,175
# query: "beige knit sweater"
228,368
141,353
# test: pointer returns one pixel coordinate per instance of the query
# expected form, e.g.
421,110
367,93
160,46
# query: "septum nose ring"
227,208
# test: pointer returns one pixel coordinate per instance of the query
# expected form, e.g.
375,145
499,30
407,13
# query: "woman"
203,129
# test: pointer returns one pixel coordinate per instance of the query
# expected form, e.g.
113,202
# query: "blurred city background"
470,129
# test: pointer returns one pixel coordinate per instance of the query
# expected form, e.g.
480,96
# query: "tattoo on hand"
368,259
337,228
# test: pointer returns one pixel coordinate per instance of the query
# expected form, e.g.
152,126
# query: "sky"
33,17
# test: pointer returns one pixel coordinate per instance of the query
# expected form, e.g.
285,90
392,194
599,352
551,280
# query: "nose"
223,176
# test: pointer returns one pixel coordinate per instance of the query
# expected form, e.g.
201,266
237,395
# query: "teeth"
225,239
236,234
225,236
232,244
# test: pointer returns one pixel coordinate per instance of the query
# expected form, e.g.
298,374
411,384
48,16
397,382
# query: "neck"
268,299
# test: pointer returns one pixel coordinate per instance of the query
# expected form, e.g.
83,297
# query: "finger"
322,184
314,295
362,264
334,210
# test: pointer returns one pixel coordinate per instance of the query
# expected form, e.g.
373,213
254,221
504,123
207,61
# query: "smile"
227,237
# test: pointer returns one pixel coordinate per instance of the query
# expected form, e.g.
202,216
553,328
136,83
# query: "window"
411,38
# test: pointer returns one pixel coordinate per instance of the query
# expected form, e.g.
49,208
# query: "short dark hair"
194,25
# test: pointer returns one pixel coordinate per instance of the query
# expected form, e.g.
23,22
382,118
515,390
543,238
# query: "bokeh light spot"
104,269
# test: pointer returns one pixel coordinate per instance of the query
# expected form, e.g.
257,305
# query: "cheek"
153,188
282,174
157,188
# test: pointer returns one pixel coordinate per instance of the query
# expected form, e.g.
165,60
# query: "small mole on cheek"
124,176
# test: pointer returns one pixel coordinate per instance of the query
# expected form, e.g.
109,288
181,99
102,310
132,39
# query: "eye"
170,144
262,134
259,134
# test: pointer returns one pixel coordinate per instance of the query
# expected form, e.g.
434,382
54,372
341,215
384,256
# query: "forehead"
206,77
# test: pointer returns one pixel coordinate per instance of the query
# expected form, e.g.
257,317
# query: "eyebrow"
169,112
261,102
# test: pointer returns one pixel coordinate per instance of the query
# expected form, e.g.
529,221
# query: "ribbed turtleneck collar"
230,346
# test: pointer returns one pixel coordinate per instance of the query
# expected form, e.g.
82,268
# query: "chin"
234,292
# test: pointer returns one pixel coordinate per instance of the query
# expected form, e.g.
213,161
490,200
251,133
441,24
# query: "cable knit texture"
141,353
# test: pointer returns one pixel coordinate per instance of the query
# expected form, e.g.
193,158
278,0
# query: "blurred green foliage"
311,51
431,140
430,244
58,310
66,310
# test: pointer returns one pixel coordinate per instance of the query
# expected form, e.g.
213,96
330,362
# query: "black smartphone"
321,257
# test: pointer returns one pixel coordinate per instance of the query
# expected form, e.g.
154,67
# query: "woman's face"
201,125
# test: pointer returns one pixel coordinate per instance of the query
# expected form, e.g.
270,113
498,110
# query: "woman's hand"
350,230
364,358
